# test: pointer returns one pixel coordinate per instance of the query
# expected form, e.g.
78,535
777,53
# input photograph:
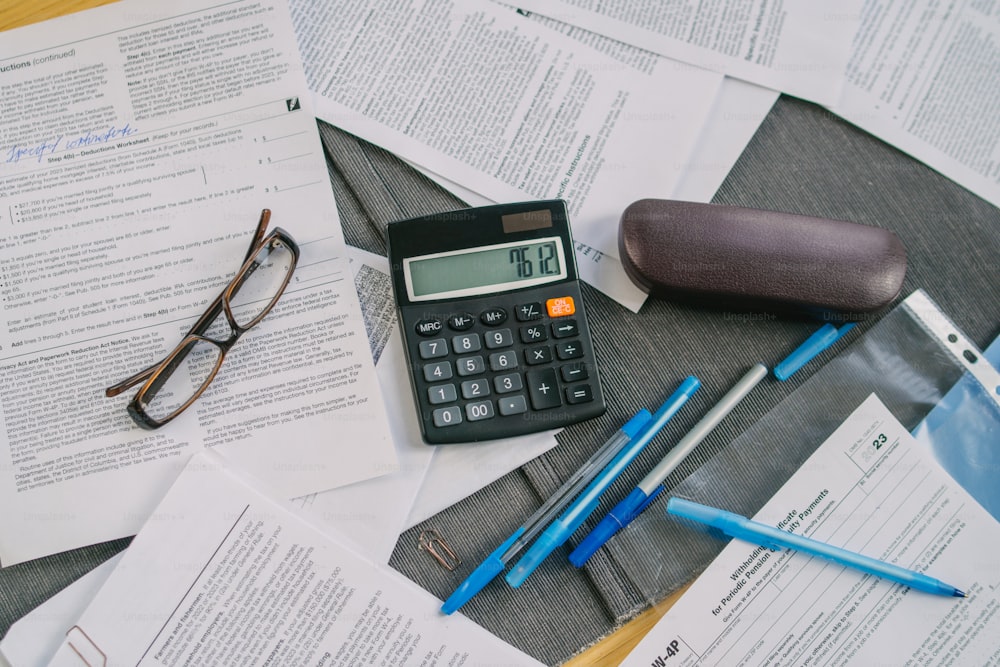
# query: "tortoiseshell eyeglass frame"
155,376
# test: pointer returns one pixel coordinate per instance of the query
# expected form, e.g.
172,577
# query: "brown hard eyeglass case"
759,259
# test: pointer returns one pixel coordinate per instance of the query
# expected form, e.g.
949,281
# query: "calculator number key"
503,361
508,383
450,416
479,411
439,370
432,349
470,366
499,338
475,388
466,343
443,393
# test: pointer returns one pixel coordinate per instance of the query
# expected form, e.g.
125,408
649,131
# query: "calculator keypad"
503,366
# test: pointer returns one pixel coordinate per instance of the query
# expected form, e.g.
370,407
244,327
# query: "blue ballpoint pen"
647,490
560,529
495,562
755,532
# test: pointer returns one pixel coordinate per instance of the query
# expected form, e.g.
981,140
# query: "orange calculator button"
560,307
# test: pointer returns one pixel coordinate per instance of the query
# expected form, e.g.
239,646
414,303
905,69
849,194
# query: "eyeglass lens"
255,292
261,284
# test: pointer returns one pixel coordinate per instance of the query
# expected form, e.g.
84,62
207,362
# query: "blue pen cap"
818,342
614,521
475,582
594,540
482,575
636,424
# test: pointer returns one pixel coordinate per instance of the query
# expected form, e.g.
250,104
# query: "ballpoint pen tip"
959,594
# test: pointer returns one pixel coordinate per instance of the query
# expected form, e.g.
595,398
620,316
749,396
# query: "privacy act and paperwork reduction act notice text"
140,143
870,488
224,575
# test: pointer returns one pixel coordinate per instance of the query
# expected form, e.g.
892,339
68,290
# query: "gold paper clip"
86,649
431,541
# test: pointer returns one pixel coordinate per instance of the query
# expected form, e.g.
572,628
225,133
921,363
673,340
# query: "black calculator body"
493,321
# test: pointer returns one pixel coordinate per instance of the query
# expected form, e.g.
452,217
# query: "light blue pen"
495,562
819,341
754,532
560,529
650,486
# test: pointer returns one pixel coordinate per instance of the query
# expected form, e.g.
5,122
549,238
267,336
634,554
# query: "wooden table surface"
608,652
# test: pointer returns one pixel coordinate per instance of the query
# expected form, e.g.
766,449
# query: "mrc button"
428,327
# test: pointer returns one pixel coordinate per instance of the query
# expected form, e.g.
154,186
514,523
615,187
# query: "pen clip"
769,544
431,541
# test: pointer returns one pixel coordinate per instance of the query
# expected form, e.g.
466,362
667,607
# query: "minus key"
574,372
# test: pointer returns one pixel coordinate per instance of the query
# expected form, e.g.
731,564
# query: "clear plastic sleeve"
917,362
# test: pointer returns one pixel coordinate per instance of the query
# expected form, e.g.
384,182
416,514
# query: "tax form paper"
140,142
224,575
872,489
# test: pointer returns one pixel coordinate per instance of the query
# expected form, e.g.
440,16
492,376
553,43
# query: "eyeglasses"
172,385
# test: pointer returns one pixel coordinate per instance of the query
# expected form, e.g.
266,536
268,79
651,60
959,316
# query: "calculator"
493,321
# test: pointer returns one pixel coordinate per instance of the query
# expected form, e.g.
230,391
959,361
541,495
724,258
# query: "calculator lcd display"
486,269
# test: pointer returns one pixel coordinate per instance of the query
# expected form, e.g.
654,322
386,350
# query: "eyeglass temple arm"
204,321
258,235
